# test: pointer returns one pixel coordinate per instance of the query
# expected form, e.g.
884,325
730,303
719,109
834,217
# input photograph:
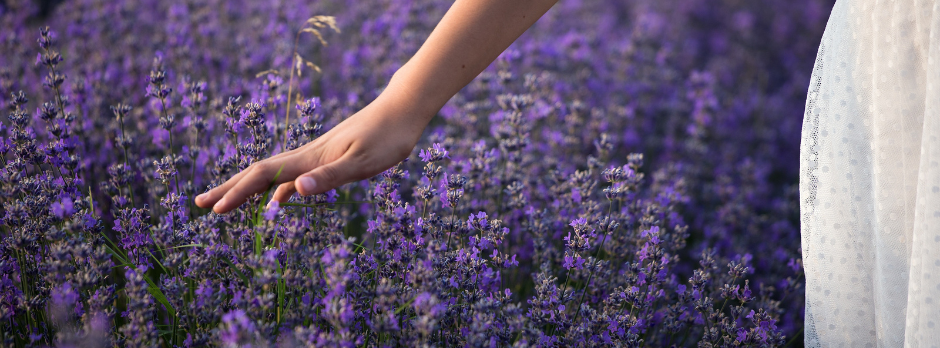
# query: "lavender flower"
527,217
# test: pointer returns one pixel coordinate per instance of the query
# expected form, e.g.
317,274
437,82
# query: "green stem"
453,211
170,131
594,263
793,340
127,166
192,176
290,90
562,297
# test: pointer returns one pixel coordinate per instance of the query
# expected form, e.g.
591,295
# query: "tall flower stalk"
312,26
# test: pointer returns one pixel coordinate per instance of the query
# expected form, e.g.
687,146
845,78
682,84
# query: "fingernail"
202,196
307,184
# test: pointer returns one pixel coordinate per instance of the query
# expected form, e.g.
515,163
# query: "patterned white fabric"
870,178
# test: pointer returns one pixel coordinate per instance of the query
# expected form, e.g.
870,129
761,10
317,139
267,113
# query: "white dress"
870,178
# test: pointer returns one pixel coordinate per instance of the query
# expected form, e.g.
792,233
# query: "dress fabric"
870,178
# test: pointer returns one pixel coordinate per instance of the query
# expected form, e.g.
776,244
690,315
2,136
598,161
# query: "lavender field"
624,175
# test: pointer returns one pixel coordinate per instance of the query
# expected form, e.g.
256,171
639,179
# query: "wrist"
410,92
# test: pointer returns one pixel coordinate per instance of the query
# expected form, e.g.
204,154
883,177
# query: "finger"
283,192
259,179
210,198
327,177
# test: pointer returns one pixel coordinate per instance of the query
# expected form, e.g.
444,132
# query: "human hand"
367,143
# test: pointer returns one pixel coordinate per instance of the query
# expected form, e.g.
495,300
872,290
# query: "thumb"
324,178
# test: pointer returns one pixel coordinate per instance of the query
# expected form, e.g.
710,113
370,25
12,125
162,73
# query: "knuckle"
262,166
330,174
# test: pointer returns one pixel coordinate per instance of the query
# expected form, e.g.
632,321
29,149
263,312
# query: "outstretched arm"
469,37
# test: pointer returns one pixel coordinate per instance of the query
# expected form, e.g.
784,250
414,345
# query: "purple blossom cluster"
625,174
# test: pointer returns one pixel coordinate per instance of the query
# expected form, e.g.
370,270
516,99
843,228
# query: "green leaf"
184,246
264,198
259,242
91,202
289,304
359,247
120,256
159,296
157,261
235,269
274,241
405,305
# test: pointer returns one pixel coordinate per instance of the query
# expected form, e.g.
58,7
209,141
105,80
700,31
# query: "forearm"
469,37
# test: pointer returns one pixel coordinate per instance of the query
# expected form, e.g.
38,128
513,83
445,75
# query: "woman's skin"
469,37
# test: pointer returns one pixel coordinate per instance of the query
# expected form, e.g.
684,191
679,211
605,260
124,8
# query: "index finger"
262,176
208,199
